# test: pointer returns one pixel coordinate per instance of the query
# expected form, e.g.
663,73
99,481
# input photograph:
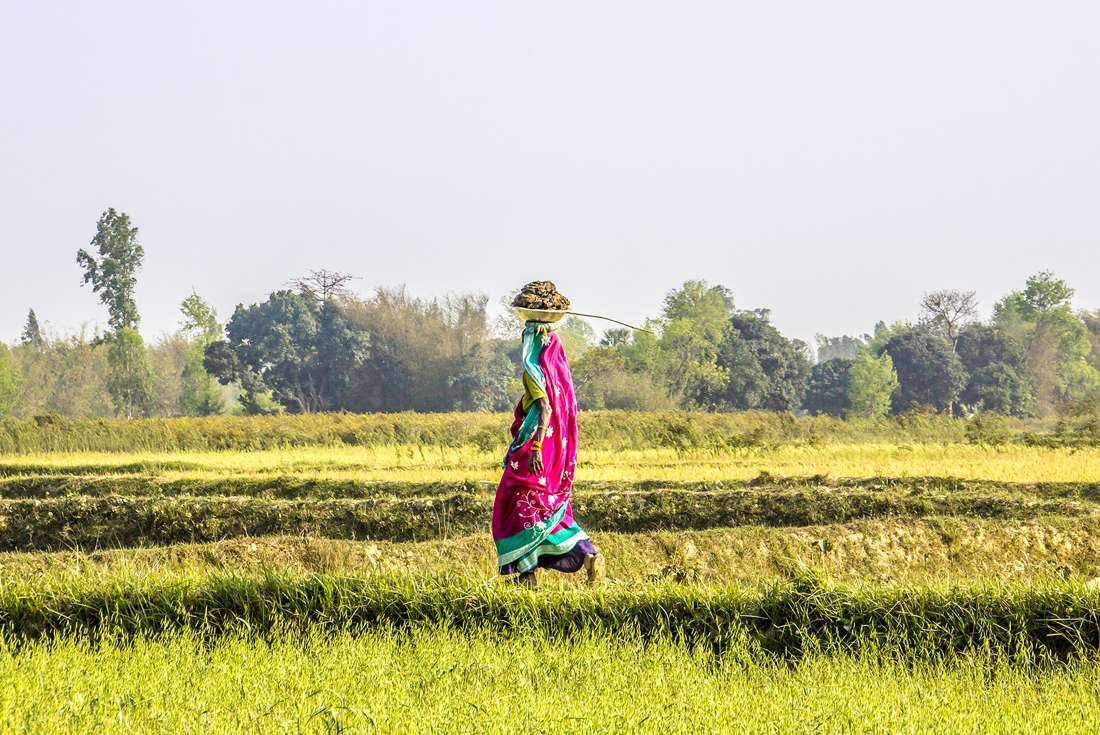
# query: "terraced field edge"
283,487
1029,623
96,522
961,550
603,429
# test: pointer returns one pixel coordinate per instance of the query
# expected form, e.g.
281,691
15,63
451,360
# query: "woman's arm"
536,447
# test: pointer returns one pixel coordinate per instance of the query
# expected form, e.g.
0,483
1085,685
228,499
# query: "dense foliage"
929,372
827,388
112,269
315,346
303,350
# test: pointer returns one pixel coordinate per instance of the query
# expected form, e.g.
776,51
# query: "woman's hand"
536,462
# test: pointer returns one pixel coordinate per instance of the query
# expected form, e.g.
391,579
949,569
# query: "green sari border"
519,545
531,561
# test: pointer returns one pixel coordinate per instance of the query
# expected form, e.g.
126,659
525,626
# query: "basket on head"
540,315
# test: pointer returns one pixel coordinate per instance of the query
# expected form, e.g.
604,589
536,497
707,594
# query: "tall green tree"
32,332
1044,292
113,274
9,381
1055,340
996,377
307,353
200,393
130,379
827,388
929,371
872,382
716,357
694,324
764,369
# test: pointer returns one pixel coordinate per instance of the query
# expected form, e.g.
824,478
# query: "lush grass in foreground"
1035,623
439,681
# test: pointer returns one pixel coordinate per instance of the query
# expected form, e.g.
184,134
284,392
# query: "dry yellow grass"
910,550
416,464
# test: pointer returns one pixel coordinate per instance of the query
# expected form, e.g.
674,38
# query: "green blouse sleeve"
534,382
532,391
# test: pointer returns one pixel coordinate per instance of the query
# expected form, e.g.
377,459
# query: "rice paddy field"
336,574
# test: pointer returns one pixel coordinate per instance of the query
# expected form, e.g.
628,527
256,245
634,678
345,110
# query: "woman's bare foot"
596,567
528,580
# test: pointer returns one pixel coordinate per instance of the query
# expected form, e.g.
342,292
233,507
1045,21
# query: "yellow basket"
551,316
540,315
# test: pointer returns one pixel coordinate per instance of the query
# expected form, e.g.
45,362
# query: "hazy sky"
831,161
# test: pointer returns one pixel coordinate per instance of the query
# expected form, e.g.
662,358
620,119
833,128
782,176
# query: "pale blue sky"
831,161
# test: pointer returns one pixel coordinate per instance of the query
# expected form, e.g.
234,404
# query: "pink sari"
533,522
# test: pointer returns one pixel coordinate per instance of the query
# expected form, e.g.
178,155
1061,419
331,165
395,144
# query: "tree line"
313,345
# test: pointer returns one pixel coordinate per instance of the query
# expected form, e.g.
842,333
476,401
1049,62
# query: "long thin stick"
607,318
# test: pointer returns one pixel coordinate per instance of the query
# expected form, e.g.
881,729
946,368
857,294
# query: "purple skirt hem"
569,562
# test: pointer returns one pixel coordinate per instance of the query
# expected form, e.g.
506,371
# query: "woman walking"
533,522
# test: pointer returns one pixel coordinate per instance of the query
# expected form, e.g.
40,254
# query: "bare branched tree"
323,284
949,310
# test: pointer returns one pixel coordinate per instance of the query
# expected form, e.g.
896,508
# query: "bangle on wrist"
536,445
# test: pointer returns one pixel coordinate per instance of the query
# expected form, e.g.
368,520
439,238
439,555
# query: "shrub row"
601,429
275,488
114,521
305,488
1040,623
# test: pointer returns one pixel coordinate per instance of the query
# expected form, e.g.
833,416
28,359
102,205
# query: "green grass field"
326,574
439,681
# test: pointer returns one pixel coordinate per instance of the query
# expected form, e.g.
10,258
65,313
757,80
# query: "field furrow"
112,521
299,487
